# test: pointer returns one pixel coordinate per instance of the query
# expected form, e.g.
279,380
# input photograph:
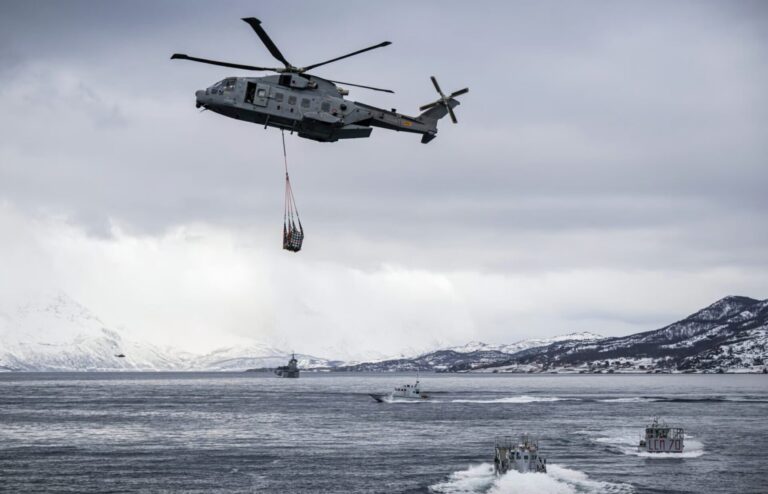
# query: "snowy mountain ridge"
58,334
478,346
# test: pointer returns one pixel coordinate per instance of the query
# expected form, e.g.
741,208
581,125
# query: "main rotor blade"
380,45
437,86
364,87
181,56
256,25
459,92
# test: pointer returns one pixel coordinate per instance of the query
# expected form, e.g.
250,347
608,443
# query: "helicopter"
312,106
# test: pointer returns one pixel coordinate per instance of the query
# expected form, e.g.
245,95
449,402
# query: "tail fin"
438,111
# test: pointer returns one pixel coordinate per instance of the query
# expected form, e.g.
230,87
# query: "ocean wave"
480,479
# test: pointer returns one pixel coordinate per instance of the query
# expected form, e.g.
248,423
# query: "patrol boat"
523,456
404,392
661,438
290,370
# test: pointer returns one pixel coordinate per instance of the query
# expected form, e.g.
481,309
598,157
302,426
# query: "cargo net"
293,233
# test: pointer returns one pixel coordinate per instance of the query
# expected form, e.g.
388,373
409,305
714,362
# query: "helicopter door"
257,94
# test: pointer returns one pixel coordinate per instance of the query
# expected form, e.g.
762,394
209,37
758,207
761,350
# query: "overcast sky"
609,172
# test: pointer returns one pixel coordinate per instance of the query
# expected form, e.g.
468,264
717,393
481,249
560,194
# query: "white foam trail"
402,400
480,479
475,479
636,399
515,482
582,483
515,399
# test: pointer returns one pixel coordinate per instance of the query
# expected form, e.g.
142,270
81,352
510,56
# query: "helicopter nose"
199,94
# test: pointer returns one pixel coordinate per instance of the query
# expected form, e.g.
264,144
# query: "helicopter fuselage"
313,107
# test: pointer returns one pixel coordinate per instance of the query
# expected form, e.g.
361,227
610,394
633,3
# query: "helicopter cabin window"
291,100
325,106
305,102
229,84
278,96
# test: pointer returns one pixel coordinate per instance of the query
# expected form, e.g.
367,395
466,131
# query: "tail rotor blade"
459,92
437,86
430,105
453,115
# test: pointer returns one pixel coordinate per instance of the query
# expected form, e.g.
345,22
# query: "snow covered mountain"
479,346
55,333
256,356
474,354
729,335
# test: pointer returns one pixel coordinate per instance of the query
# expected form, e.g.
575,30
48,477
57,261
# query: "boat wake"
397,401
635,399
480,479
513,399
625,442
683,399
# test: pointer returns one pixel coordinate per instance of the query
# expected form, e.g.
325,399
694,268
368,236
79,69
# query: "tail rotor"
444,100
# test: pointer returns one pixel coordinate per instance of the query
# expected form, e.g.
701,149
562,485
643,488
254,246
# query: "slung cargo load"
293,232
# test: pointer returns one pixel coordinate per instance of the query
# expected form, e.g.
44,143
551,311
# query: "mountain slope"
472,355
55,333
731,334
52,332
256,356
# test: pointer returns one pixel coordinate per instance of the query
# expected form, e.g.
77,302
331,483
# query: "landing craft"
312,106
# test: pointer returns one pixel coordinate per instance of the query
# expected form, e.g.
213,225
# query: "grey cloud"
594,134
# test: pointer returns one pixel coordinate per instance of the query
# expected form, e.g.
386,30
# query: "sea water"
254,432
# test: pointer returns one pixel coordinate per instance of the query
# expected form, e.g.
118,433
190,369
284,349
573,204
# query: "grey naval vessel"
661,438
520,456
404,392
290,370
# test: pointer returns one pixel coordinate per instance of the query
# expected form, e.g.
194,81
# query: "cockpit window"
229,84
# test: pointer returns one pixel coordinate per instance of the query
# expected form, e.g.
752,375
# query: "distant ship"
661,438
290,370
522,457
120,355
404,392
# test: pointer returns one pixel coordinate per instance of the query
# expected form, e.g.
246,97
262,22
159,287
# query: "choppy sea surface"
254,432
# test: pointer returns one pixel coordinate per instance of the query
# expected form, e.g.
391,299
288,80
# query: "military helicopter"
312,106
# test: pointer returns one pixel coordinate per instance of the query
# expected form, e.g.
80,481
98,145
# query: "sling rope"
293,232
